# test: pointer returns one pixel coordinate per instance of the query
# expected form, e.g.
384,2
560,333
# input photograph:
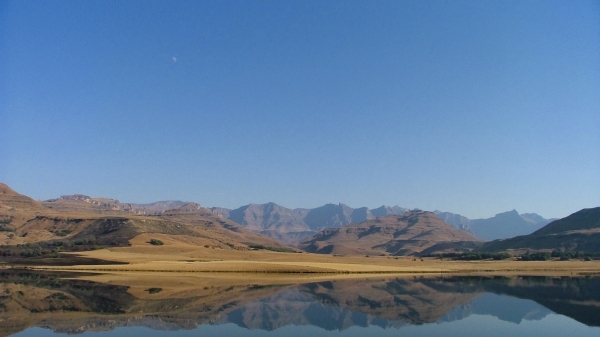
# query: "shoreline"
185,259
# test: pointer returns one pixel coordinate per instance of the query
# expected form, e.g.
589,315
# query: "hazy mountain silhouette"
407,234
506,225
579,231
294,225
387,210
503,307
501,226
455,220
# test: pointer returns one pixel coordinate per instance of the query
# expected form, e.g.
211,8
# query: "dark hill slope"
579,231
407,234
587,219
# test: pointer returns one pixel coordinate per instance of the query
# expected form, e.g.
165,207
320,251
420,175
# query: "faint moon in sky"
174,59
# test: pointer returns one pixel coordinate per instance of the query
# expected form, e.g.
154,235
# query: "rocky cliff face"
80,202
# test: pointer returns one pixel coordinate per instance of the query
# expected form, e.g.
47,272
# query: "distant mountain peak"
191,206
405,234
505,225
579,231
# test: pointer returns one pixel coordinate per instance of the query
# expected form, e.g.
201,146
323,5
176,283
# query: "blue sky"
473,107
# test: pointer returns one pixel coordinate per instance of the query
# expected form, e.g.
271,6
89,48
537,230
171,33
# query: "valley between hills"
80,233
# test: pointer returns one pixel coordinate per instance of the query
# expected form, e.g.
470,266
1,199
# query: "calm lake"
47,304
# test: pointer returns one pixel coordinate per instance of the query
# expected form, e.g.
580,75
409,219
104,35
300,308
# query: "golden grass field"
179,257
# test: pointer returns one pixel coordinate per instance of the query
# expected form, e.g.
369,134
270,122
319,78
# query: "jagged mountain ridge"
407,234
579,231
506,225
294,225
501,226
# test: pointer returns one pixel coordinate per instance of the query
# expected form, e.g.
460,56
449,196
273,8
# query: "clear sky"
473,107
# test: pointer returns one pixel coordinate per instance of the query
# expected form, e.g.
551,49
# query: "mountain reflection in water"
49,300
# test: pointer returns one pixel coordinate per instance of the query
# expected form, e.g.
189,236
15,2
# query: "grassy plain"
177,257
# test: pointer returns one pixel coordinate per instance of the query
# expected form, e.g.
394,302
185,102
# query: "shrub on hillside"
62,232
274,249
543,256
473,256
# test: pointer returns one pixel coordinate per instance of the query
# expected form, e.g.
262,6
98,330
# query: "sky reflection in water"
475,325
443,306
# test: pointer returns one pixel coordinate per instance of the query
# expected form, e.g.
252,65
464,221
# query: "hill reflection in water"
49,300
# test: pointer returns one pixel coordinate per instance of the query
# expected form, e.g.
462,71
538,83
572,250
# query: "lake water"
47,304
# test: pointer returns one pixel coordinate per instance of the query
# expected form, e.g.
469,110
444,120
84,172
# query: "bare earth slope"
579,231
30,230
407,234
12,199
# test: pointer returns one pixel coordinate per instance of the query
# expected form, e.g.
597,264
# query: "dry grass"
181,257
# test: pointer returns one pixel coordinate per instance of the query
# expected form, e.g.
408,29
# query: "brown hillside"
78,223
205,220
16,201
407,234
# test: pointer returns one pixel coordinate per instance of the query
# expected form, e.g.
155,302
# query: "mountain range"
80,222
579,231
294,225
501,226
80,202
29,228
411,233
291,226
